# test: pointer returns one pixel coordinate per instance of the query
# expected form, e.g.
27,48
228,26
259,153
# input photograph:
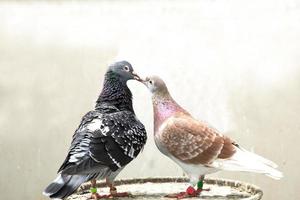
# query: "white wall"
232,63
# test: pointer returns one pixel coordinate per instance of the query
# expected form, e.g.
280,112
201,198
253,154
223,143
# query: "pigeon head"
156,86
124,71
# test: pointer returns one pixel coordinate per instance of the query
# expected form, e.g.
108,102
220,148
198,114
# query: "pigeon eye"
150,82
126,68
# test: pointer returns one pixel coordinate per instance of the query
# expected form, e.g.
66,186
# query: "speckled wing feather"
192,141
106,137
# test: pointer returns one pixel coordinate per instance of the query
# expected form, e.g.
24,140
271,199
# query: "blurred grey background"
232,63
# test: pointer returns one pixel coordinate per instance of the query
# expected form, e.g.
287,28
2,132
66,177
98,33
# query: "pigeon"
107,139
196,147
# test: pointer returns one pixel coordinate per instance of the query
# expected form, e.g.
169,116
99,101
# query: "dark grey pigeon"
107,139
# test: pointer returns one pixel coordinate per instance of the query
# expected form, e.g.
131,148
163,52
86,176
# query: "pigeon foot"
180,195
121,194
114,193
97,196
190,192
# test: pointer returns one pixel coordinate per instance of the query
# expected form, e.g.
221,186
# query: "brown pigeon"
195,146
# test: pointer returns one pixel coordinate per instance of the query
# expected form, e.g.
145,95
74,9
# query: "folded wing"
192,141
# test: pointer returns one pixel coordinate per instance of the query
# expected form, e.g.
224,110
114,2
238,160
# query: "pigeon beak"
136,77
145,81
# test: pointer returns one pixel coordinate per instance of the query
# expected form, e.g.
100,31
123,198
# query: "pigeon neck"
163,108
115,92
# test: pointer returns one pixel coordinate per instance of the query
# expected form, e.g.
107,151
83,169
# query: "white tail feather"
246,161
260,158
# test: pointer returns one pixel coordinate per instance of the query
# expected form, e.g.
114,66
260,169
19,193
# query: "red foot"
114,193
120,194
190,192
98,196
180,195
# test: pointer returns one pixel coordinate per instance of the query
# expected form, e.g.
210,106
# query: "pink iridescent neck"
163,109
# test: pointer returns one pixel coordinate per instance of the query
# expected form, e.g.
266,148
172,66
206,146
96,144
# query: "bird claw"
190,192
97,196
114,193
179,195
120,194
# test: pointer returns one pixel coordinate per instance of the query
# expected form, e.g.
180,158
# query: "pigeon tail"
246,161
64,185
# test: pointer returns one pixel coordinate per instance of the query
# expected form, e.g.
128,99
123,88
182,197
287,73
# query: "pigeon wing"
109,139
194,142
